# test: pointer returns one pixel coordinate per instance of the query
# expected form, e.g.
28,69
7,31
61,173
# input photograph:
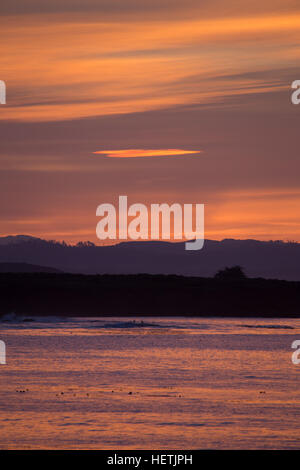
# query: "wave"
279,327
75,322
133,324
16,318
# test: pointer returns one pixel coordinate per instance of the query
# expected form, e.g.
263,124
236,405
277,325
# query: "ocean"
149,383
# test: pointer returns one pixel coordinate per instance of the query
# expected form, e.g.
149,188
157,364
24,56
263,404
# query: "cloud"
133,153
138,9
97,67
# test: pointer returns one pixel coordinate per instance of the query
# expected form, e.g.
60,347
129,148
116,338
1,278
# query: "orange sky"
200,89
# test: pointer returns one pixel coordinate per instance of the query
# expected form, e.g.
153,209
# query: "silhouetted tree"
86,244
233,273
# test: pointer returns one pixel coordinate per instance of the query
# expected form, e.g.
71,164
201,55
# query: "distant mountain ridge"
26,268
14,239
272,259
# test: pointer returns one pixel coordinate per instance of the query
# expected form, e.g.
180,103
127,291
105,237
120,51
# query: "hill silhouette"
26,268
268,259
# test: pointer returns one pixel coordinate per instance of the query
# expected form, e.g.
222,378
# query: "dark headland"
43,294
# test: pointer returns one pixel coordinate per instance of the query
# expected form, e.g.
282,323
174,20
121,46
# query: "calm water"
174,383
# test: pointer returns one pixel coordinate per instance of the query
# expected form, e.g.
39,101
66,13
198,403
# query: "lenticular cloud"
132,153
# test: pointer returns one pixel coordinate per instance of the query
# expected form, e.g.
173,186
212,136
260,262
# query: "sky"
160,100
